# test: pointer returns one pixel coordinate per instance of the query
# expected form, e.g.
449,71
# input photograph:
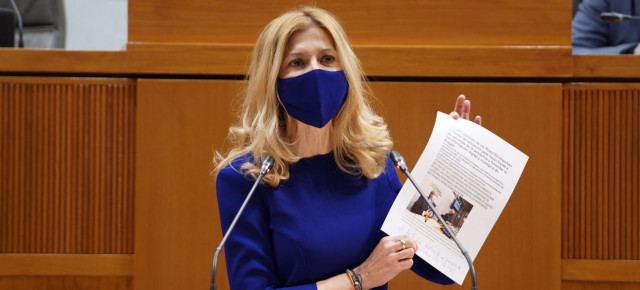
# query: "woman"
315,221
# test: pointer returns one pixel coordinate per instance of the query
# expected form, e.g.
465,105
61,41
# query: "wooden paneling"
601,270
522,250
435,61
193,58
611,66
180,124
233,59
177,227
65,265
465,61
600,172
582,285
56,60
65,283
66,151
401,22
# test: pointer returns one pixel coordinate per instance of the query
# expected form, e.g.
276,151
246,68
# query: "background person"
590,35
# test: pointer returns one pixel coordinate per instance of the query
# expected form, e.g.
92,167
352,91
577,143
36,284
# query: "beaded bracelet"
355,279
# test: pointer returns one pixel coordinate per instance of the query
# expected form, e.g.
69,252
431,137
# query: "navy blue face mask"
315,97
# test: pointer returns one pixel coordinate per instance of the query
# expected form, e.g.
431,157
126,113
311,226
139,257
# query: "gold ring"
404,244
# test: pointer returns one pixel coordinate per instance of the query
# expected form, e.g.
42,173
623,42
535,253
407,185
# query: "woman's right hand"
386,261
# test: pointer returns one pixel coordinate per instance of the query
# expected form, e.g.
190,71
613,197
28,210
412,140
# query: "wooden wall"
180,124
521,235
400,22
600,221
601,128
180,249
105,181
66,197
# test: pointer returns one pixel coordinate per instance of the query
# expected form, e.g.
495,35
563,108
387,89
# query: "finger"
466,110
459,104
405,264
413,245
403,244
478,120
393,243
454,115
409,244
405,254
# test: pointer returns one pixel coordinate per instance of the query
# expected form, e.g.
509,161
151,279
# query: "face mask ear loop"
282,113
279,102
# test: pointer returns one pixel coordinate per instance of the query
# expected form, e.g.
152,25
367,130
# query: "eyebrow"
295,53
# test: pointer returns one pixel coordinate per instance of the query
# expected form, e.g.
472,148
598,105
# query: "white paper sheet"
469,174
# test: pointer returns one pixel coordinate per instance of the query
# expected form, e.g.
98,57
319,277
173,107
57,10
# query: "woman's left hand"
463,109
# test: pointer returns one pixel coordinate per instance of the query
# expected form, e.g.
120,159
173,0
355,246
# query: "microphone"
398,160
267,165
15,9
617,17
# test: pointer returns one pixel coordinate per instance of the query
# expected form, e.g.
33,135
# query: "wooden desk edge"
233,59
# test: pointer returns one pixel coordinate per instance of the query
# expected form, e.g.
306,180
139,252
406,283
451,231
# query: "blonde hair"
361,138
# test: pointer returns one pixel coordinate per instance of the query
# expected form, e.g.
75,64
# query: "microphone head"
612,17
396,157
398,160
267,165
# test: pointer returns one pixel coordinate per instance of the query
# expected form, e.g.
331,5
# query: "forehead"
314,37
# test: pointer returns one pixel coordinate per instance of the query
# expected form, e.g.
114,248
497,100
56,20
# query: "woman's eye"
328,59
296,62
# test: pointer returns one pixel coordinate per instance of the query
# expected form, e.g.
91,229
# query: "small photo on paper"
452,207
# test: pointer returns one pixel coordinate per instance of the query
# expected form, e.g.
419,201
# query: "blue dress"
311,227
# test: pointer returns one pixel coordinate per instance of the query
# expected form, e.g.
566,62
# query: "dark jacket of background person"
448,217
419,206
590,35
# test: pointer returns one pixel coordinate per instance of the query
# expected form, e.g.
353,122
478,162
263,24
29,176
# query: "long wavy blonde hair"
361,138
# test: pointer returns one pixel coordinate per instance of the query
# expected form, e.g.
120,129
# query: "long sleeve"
590,35
248,250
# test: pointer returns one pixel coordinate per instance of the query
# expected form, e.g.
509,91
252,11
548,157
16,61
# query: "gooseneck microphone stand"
20,28
398,160
617,17
267,165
